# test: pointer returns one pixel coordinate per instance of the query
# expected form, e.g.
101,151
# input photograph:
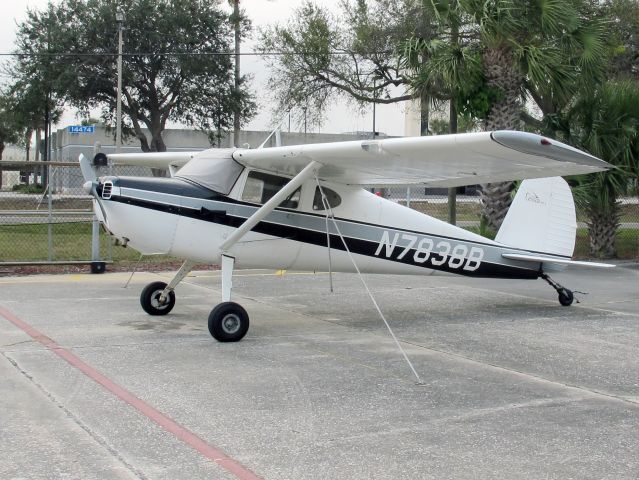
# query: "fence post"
408,197
50,216
95,239
452,206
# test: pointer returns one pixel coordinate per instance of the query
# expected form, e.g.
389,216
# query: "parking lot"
514,385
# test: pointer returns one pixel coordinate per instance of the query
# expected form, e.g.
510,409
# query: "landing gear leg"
228,321
566,296
158,298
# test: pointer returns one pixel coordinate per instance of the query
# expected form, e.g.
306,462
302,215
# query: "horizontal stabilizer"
560,261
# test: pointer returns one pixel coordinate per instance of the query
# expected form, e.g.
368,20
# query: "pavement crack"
16,343
528,375
75,419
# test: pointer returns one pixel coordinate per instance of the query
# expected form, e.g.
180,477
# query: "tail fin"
541,218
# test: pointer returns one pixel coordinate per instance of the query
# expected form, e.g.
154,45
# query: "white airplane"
305,207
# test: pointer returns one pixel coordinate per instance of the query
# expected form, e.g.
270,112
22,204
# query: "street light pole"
119,18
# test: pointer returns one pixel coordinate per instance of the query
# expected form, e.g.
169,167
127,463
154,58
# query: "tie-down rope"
328,208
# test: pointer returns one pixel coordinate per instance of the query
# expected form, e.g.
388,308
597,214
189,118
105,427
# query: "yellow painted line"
278,273
115,276
70,278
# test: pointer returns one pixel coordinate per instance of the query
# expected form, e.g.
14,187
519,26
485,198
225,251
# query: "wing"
441,161
152,159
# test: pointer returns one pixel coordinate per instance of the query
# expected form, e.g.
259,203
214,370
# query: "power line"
179,54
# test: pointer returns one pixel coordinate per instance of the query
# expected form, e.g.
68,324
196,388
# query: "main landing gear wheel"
150,299
566,297
228,322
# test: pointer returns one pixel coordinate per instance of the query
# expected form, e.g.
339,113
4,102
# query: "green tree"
9,128
623,25
547,51
34,92
353,55
606,124
9,132
176,62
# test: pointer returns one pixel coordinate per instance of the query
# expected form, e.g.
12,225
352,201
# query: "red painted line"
182,433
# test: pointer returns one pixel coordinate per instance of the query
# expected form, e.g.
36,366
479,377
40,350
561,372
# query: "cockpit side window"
260,187
332,197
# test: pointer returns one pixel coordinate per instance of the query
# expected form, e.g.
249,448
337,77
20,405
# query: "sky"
340,118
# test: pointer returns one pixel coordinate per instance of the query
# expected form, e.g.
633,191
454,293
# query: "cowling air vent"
107,189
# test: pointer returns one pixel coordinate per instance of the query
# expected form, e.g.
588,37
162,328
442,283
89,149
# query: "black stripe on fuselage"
355,245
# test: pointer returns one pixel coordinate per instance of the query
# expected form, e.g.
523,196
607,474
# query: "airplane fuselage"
178,217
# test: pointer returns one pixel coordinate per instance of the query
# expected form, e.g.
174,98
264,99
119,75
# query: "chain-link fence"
56,224
434,202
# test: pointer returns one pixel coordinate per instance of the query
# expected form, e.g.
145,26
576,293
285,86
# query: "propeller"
91,182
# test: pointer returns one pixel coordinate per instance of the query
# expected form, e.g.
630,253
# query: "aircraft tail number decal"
425,249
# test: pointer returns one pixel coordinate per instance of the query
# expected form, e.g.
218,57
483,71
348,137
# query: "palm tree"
606,124
543,49
490,56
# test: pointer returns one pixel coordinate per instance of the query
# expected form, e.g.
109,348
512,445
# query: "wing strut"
228,260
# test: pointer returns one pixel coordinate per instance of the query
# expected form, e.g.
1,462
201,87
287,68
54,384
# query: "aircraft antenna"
276,132
328,208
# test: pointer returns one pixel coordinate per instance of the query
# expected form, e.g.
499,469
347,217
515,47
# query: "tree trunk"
452,191
27,142
38,133
503,75
424,109
158,145
602,231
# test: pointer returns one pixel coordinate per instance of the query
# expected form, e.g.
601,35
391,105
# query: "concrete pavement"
515,386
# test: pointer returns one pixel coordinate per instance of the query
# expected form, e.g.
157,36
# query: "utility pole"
236,108
452,123
119,18
304,108
374,104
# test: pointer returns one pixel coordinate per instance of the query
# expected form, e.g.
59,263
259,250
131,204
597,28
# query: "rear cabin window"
260,188
332,197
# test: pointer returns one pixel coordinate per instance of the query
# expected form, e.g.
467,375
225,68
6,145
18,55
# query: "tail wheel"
566,297
228,322
151,302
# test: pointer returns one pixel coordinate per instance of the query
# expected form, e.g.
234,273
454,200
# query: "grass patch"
31,188
70,241
31,202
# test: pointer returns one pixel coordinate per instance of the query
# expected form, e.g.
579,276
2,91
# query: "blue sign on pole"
81,129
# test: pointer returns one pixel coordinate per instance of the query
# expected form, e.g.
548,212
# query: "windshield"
214,169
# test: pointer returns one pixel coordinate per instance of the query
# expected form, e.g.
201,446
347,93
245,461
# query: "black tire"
566,297
98,267
150,299
228,322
